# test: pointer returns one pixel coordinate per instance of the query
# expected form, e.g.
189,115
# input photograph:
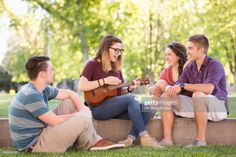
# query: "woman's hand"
111,80
136,85
157,91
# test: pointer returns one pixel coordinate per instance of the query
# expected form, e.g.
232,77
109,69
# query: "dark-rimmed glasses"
117,51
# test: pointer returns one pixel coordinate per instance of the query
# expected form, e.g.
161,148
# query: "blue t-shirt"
26,107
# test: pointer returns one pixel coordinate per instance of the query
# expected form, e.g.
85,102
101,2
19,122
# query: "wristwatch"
181,86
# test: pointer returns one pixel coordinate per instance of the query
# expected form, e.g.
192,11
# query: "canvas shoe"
196,143
127,142
148,141
164,143
105,145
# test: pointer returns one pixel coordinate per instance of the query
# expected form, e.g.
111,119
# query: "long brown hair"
180,50
102,54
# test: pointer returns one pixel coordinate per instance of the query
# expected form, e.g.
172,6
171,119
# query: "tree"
5,80
219,23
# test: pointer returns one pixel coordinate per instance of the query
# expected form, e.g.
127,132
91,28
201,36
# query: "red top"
166,75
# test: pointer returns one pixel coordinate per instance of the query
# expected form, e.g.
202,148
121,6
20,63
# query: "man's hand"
174,90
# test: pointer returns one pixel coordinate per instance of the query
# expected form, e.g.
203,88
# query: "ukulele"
98,95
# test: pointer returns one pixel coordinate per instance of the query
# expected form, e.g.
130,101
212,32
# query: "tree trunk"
85,47
234,85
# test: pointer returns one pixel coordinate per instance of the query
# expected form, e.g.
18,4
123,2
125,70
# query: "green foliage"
70,31
14,63
176,151
5,80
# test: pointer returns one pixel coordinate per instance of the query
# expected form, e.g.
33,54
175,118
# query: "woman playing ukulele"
105,69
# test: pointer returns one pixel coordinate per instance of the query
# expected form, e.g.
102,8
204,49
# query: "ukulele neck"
127,84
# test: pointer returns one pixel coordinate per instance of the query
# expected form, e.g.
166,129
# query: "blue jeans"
124,107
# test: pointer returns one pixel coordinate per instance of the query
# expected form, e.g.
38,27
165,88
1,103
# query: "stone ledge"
218,133
184,131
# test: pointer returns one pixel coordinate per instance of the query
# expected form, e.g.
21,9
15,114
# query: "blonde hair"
102,54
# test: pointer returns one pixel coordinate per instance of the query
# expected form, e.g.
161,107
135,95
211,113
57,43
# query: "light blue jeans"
124,107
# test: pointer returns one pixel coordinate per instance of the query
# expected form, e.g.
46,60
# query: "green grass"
210,151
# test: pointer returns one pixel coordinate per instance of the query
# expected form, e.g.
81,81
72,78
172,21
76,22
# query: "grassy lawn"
209,151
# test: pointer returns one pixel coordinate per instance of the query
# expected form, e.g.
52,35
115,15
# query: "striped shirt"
26,107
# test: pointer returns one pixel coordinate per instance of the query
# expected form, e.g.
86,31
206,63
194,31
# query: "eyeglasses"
117,51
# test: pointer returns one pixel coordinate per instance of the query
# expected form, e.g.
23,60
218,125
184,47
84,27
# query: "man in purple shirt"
202,88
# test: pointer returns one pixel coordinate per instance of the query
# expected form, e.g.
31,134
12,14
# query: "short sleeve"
163,75
88,70
51,92
35,105
166,75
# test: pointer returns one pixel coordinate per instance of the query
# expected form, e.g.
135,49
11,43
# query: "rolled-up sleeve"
183,78
215,73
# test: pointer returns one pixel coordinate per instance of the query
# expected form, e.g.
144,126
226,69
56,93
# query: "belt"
30,149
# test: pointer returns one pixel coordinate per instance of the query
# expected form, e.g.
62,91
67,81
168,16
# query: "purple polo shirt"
211,71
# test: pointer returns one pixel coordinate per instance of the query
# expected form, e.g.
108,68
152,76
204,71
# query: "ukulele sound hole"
93,92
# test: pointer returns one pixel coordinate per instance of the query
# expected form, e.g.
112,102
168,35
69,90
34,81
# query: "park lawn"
209,151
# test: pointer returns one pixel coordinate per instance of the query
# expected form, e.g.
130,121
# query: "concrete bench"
218,133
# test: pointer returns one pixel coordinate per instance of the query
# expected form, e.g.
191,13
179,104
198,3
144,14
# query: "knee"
68,102
84,119
198,94
132,102
130,99
164,95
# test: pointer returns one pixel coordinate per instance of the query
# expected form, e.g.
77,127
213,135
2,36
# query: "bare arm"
52,119
69,94
131,88
74,97
158,88
205,88
86,85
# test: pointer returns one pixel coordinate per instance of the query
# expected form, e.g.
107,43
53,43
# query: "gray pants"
77,132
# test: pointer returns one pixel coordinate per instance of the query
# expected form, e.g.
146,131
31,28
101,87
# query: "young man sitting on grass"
34,128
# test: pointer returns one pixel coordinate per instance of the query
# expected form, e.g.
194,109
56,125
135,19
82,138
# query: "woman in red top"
176,57
105,69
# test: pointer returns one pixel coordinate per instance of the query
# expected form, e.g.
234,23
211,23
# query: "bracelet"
129,90
99,83
103,81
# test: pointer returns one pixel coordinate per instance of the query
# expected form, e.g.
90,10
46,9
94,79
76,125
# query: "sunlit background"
69,31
